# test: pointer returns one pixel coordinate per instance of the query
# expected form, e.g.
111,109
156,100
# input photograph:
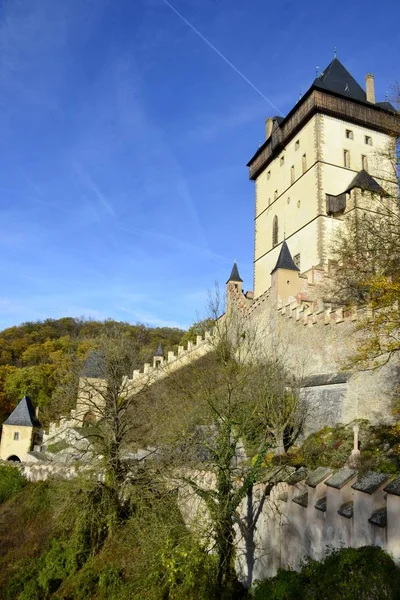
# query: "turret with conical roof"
285,282
158,357
19,432
234,276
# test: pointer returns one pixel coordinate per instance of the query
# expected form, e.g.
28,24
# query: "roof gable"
23,414
336,78
364,181
285,260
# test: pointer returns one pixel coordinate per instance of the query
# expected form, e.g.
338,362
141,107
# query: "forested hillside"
36,358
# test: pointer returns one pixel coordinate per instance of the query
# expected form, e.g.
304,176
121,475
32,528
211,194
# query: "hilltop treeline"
36,357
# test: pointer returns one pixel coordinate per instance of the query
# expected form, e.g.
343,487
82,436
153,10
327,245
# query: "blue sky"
124,138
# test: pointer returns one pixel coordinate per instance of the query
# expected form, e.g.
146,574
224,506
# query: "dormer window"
349,134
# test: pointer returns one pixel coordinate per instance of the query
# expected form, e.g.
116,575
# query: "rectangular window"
368,140
304,163
297,145
349,134
296,260
364,162
282,161
346,159
268,174
16,436
292,175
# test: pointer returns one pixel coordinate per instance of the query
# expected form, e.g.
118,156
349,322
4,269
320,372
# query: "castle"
325,159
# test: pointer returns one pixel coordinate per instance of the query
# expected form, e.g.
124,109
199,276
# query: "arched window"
275,231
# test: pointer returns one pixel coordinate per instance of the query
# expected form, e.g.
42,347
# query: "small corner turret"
285,282
20,431
158,357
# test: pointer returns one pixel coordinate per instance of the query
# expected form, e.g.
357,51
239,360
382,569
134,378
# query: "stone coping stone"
393,487
315,477
302,500
325,379
379,517
321,504
346,510
370,482
341,477
298,476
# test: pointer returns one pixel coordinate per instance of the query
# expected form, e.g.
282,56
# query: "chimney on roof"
268,127
370,87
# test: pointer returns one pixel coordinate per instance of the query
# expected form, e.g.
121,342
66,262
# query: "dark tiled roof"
317,476
321,504
370,482
393,487
364,181
285,260
325,379
302,500
340,478
386,106
335,78
234,276
159,351
298,476
94,365
379,517
23,414
346,510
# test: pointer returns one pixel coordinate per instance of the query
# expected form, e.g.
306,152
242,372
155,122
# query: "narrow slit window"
297,145
346,159
304,163
268,174
16,436
275,194
275,231
282,161
292,174
364,162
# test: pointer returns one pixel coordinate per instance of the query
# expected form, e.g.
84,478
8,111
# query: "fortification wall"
324,511
315,342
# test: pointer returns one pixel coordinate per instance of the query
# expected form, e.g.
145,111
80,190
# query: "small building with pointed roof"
20,432
314,165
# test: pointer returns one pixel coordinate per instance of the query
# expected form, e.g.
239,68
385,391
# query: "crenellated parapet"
310,513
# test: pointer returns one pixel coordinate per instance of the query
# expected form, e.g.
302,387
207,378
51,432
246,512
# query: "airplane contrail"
228,62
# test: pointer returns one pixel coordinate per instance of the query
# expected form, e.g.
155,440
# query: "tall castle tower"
331,143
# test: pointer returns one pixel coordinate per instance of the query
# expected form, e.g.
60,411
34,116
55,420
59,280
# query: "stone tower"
19,432
312,163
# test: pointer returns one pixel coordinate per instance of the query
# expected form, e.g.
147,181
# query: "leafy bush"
366,573
11,481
